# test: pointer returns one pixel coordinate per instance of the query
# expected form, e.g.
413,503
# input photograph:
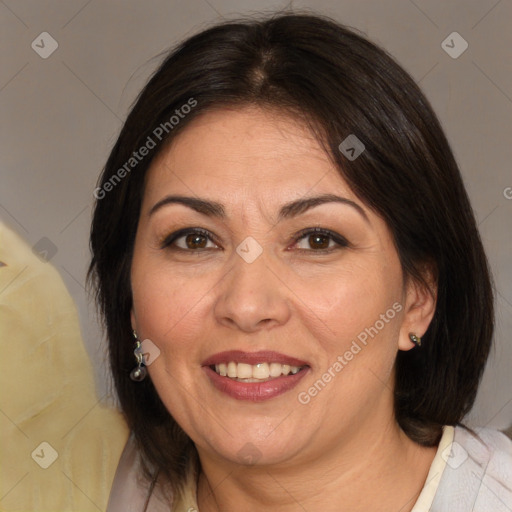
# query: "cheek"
340,305
168,312
355,319
161,304
170,307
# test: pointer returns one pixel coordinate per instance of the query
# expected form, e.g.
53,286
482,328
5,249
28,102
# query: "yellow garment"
47,395
428,493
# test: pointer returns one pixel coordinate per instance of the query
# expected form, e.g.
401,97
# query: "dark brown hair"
339,84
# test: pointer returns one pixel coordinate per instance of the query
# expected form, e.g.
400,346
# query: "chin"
249,447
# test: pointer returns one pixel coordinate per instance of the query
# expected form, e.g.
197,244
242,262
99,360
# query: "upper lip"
263,356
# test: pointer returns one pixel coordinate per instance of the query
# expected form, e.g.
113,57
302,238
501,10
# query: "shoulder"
478,473
494,440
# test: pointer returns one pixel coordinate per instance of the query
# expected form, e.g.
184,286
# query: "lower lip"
254,391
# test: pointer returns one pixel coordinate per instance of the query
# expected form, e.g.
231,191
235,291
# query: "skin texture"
343,450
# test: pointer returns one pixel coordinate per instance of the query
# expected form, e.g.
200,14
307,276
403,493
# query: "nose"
252,296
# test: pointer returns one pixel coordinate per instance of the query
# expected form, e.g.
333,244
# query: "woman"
282,228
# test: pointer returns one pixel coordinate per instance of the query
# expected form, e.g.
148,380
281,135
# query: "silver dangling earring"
139,372
415,339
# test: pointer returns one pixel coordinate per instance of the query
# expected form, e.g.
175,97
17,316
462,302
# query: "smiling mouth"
261,372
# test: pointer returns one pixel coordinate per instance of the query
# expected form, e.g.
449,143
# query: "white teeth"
260,371
256,372
275,369
232,369
244,371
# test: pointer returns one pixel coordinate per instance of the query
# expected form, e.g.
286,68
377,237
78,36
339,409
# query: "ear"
420,306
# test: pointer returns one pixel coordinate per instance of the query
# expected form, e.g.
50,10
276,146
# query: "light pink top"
468,474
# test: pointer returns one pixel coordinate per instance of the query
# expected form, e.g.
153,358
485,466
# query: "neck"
372,470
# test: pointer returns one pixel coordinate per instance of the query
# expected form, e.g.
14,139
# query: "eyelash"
338,239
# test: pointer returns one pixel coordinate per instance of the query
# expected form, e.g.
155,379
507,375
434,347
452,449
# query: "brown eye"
319,240
194,241
190,240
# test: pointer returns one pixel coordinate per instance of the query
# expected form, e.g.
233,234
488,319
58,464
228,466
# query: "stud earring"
139,372
415,339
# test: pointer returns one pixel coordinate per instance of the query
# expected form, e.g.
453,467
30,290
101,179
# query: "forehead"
245,153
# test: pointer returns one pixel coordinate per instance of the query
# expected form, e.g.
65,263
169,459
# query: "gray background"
60,117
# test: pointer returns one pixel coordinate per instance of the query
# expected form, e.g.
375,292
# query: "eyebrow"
288,210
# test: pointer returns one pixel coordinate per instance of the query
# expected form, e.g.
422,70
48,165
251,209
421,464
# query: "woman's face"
326,312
